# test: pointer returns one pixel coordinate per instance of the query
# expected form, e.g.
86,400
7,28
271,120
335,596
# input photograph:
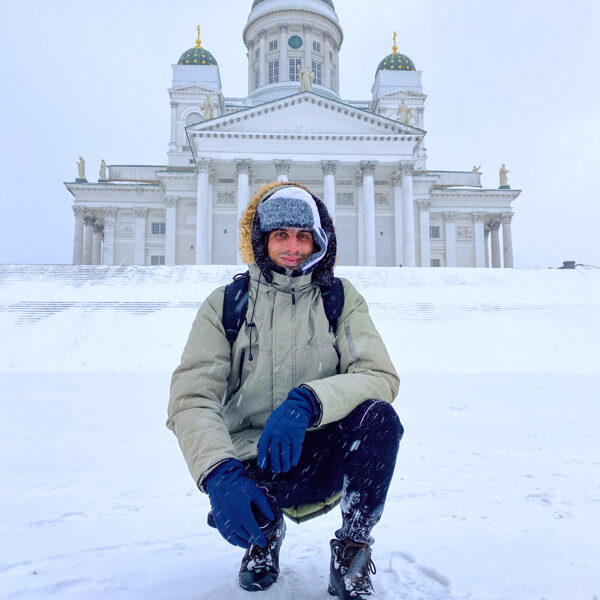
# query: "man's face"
289,247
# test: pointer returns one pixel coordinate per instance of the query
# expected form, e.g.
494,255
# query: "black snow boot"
260,566
350,567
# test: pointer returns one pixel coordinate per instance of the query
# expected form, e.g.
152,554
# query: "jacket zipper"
350,343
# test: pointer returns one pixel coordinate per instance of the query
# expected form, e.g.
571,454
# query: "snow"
496,493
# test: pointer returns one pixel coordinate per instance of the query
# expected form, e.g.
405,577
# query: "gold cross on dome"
198,42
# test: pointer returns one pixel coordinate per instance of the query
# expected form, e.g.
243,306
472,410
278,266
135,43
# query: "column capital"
450,217
89,219
283,27
406,168
243,166
98,227
328,167
424,205
282,167
479,217
262,33
306,28
494,225
396,178
367,167
78,212
506,218
250,44
171,201
203,165
140,211
110,212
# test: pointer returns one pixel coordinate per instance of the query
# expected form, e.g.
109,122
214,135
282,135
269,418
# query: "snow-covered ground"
497,488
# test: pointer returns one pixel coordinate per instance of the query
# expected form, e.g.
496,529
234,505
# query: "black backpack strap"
333,302
235,304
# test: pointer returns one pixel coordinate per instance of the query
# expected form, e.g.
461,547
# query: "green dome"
197,56
396,62
257,2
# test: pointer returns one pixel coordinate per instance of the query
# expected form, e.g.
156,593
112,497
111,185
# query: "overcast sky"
513,82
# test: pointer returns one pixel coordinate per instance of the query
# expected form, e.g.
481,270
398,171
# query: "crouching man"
282,401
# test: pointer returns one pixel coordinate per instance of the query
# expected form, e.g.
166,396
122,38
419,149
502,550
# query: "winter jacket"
222,395
220,404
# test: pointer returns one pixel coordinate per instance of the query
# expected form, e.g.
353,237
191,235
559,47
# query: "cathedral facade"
366,159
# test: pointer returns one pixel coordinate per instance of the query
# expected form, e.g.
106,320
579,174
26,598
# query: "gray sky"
514,82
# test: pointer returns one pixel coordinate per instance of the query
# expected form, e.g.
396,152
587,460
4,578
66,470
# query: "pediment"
402,95
191,89
307,114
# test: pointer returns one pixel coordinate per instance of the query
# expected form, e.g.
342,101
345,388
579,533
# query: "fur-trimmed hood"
253,246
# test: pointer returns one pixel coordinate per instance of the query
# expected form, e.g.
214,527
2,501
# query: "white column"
479,238
108,253
450,219
209,214
408,214
398,237
97,244
78,213
243,197
250,67
284,68
282,169
327,62
507,240
424,208
262,59
171,229
140,236
494,228
173,140
88,221
307,29
202,223
486,233
368,171
328,167
360,202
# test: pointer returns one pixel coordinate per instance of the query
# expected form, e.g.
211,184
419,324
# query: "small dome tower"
196,95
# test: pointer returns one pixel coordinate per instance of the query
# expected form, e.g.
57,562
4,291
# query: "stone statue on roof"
504,176
208,109
306,79
81,168
102,174
404,114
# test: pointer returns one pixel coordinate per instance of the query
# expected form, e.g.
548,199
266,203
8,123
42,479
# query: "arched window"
193,118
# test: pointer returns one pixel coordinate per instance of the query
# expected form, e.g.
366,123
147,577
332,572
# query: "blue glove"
280,444
232,496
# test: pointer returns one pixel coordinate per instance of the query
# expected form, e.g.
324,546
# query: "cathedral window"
156,260
159,228
316,46
316,68
435,262
434,232
273,71
295,66
257,53
273,45
256,78
193,118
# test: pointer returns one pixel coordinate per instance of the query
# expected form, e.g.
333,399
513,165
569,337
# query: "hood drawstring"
252,324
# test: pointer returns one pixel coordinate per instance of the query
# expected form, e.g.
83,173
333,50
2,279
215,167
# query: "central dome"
257,2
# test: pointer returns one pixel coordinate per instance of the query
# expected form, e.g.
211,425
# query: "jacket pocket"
238,383
351,348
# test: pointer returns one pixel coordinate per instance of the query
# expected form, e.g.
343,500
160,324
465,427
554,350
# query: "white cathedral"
366,159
